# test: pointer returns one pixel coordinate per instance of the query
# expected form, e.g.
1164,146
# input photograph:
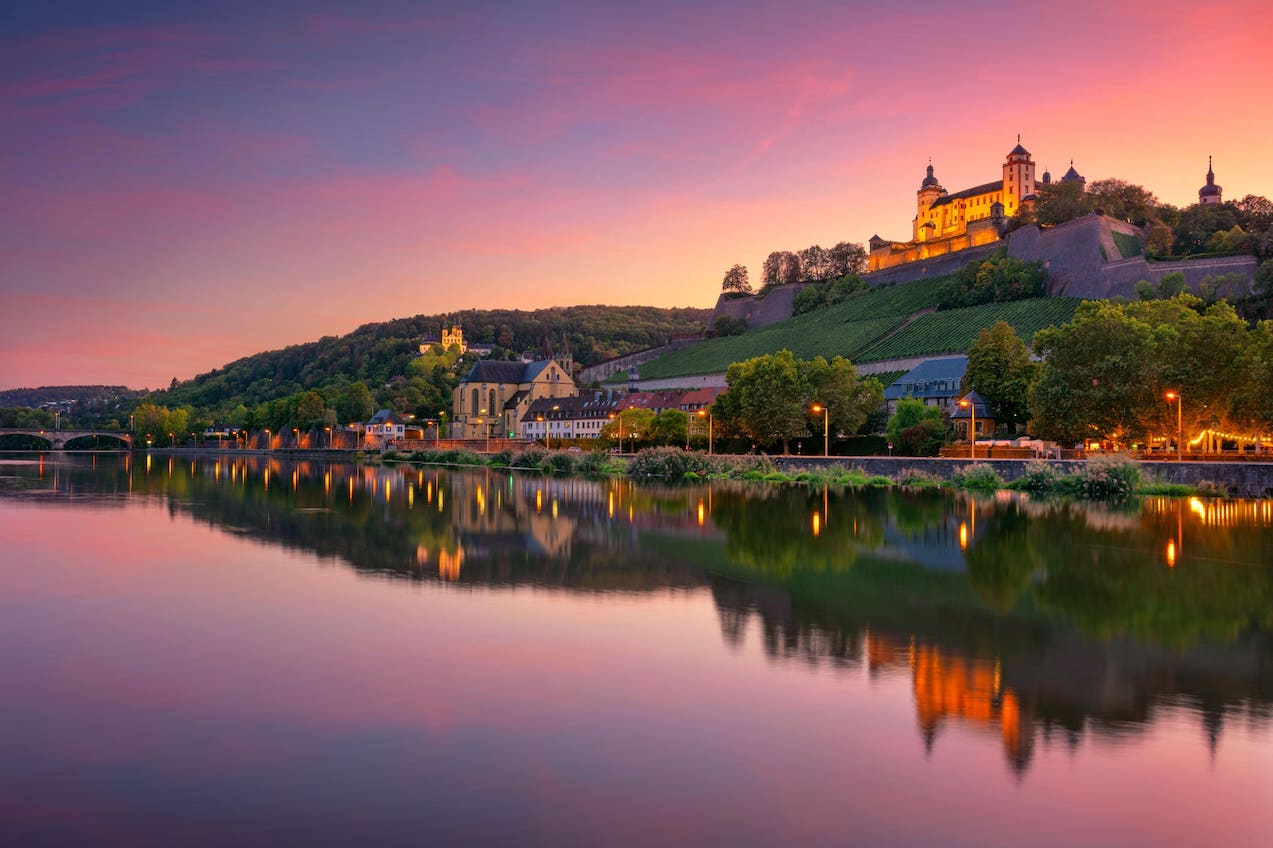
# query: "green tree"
631,427
1058,202
999,368
310,407
916,429
669,427
837,386
1097,379
770,396
1121,199
354,404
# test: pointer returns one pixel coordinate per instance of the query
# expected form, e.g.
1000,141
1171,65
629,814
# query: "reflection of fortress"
1016,676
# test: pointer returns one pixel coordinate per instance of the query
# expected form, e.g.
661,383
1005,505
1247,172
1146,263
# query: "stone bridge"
57,439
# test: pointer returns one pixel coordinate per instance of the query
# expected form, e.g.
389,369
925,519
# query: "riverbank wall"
1237,479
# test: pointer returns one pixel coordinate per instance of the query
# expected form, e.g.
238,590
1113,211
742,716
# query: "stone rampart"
758,310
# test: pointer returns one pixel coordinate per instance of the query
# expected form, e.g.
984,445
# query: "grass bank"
1104,478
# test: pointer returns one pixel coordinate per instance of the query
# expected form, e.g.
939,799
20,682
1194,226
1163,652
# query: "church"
946,222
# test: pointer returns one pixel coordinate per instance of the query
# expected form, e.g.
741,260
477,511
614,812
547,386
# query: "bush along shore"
1103,478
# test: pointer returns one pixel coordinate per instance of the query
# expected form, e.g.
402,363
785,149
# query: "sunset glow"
184,187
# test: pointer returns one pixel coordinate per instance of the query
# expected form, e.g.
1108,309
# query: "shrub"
1038,477
671,463
502,459
1211,489
594,464
917,477
561,463
977,476
532,459
456,456
1109,477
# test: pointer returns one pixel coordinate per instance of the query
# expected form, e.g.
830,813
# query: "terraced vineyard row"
899,300
953,331
807,336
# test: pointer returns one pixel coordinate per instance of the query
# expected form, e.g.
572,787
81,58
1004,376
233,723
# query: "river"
218,651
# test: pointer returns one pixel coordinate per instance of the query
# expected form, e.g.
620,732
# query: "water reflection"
1026,620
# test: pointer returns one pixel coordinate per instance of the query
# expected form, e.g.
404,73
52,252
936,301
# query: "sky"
185,184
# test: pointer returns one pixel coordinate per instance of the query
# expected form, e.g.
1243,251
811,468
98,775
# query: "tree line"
814,264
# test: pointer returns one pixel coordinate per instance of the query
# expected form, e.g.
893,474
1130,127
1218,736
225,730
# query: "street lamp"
826,427
972,429
540,419
296,438
1174,395
612,416
267,438
708,415
329,438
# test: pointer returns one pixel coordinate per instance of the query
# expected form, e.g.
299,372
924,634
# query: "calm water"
216,653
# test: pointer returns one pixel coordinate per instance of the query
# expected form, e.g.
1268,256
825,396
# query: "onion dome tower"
1210,193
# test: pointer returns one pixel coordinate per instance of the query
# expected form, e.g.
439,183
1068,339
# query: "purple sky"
184,187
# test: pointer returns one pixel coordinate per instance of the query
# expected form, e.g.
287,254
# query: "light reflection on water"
1025,626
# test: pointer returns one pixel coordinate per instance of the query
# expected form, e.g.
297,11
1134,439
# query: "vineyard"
955,330
860,327
807,336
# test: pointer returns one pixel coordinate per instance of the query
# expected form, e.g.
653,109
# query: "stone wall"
758,310
601,371
937,267
1239,479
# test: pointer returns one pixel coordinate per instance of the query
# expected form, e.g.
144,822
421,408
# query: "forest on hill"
385,357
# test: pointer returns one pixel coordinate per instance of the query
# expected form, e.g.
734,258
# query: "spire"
1211,176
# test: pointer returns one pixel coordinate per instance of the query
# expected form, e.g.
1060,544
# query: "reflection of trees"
1001,558
777,531
1002,644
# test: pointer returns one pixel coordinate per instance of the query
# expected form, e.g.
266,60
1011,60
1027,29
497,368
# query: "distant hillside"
89,395
376,354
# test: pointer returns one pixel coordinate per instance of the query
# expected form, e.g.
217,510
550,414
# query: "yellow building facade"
946,222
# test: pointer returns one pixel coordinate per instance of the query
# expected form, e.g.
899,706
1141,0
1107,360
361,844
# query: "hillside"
376,354
884,323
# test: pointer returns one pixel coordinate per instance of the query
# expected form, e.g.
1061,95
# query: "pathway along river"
239,653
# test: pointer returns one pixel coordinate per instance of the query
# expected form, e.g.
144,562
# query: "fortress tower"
1018,179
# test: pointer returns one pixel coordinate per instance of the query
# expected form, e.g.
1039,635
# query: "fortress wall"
936,267
774,306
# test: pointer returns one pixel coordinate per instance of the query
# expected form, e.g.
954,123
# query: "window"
491,406
476,402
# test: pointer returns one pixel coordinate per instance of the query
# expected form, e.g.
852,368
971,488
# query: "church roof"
1018,151
997,185
1071,175
1210,188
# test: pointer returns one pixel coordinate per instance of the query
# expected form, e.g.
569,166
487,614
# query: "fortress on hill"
946,222
1094,256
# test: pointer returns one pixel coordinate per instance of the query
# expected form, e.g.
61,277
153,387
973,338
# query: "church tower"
1018,178
1210,193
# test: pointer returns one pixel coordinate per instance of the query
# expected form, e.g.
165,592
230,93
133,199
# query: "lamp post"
612,416
826,427
1174,395
708,416
972,428
267,438
296,438
540,419
329,438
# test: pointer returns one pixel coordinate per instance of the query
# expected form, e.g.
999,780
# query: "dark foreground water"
230,653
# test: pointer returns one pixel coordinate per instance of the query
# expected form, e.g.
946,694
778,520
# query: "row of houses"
532,400
583,416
